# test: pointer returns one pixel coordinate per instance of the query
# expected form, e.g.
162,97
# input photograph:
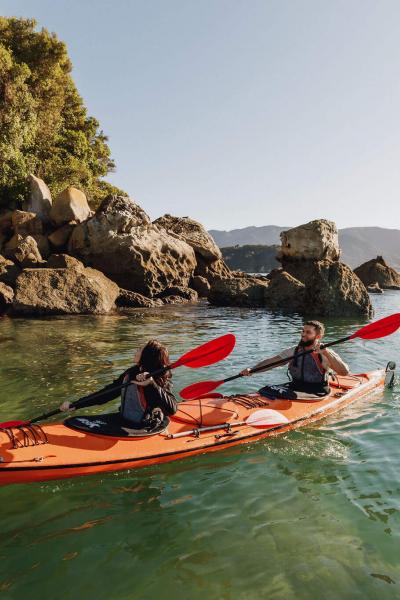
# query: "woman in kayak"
146,401
309,372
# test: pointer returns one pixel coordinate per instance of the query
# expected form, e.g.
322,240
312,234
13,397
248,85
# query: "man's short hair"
318,326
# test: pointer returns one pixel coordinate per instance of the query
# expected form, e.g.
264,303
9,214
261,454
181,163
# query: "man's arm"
264,364
335,362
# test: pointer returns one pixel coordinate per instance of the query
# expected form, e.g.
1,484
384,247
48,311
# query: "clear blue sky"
242,112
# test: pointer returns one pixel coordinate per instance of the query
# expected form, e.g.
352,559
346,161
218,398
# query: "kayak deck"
55,451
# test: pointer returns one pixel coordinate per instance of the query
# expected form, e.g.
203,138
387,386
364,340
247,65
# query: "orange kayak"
59,451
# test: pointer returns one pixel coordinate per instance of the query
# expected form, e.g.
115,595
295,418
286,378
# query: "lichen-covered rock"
131,299
73,290
59,238
6,297
193,233
9,271
121,241
201,285
23,250
241,291
70,205
378,271
40,201
334,290
317,240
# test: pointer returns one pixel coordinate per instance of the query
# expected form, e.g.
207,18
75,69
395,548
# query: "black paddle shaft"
282,361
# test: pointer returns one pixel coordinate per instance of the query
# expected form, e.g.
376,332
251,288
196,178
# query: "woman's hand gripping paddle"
372,331
202,356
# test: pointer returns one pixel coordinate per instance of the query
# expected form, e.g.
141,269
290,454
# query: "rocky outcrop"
334,290
6,297
316,240
312,281
72,290
378,271
40,201
121,241
70,205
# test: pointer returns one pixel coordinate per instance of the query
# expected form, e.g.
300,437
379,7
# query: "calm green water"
314,513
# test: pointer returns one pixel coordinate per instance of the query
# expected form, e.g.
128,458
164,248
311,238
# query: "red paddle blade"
13,424
208,353
379,329
202,388
263,419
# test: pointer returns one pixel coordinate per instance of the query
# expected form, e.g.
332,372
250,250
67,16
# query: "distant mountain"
358,244
254,236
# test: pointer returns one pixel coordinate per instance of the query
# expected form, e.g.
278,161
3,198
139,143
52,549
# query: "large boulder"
121,241
23,250
70,205
181,292
9,271
241,291
6,297
212,272
285,292
40,201
193,233
201,285
333,289
378,271
317,240
71,290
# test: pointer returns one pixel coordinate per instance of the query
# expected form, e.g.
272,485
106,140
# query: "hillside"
358,244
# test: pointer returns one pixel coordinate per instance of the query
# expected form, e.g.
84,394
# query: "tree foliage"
44,125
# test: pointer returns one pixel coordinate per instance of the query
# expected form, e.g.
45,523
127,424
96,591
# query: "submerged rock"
378,271
121,241
131,299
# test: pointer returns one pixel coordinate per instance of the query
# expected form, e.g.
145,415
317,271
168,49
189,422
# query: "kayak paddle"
378,329
207,354
260,419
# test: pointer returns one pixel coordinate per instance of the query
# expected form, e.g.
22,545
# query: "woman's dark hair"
155,356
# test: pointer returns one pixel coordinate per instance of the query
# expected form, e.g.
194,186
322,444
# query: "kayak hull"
206,425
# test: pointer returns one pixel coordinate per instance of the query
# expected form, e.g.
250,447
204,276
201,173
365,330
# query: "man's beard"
306,343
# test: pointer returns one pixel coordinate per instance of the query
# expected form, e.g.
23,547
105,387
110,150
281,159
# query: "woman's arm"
104,395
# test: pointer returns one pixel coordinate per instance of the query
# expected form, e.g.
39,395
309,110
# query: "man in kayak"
146,401
309,372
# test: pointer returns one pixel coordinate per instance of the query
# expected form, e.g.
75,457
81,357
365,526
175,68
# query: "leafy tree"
44,125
